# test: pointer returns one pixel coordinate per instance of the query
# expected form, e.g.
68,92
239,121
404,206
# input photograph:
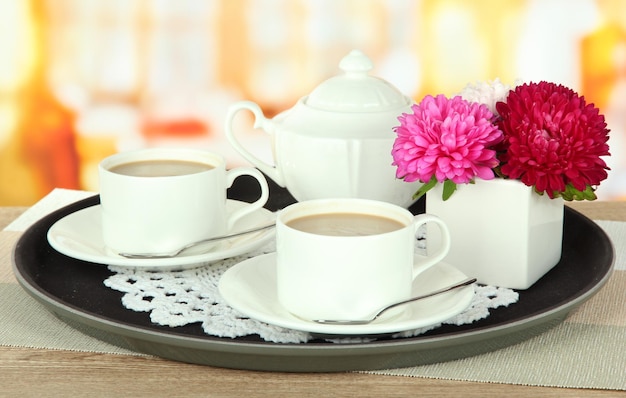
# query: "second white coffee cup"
345,258
160,199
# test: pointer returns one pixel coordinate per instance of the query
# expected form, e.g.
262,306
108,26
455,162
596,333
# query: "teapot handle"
260,121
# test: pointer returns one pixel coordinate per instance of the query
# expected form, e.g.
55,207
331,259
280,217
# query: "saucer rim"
171,263
289,321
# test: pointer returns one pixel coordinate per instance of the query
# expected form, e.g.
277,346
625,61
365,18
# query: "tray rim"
140,337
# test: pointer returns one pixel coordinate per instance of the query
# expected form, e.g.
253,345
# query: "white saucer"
250,288
79,235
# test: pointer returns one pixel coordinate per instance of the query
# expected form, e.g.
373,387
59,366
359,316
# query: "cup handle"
260,121
432,258
231,175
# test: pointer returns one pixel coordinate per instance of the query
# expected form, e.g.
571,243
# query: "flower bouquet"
497,164
542,134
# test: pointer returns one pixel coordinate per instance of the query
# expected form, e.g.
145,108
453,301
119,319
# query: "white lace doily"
177,298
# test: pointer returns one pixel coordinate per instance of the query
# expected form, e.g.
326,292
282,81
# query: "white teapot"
337,141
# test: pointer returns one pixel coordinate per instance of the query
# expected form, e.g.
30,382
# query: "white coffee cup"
147,210
320,276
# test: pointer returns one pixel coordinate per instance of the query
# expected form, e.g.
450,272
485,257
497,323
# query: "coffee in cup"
345,224
160,168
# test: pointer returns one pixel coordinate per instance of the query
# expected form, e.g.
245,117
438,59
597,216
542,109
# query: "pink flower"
446,139
553,140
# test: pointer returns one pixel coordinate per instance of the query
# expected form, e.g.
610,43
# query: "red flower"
553,140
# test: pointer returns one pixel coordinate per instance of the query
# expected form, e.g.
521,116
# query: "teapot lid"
355,90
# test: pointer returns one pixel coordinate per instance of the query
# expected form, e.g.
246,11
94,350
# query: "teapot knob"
356,62
355,90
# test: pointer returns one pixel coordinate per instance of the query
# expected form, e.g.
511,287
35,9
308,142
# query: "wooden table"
27,372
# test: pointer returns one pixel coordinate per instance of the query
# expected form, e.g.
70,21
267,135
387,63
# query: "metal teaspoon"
176,252
372,318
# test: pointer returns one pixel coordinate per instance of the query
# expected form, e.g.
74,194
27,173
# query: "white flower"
487,93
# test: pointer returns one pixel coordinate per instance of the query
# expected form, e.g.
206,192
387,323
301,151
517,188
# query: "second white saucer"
250,288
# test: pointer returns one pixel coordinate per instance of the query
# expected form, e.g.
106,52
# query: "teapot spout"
260,122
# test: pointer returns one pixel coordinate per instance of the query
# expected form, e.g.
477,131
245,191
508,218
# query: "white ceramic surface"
79,235
337,141
349,277
250,288
163,213
502,232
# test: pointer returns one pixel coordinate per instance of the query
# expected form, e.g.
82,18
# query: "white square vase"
502,232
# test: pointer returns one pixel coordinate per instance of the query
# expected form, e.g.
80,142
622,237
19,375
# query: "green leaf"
572,193
425,188
589,194
448,189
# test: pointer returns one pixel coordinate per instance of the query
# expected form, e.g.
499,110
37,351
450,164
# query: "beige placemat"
588,350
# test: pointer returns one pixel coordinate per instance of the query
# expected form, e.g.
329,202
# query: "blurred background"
82,79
